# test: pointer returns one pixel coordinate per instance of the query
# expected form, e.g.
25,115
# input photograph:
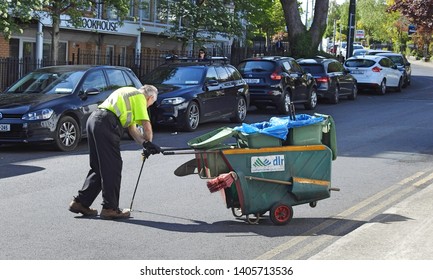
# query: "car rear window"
363,63
256,66
313,68
175,76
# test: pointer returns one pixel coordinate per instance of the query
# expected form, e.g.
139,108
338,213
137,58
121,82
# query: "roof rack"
207,60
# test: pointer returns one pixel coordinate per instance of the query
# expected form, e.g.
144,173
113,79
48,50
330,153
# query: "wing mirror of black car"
212,83
89,91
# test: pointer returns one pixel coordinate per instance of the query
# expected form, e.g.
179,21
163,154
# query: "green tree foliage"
419,13
14,12
202,21
26,10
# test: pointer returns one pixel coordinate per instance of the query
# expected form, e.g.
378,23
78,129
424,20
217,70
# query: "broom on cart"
221,182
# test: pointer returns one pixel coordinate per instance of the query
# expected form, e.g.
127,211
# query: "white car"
375,72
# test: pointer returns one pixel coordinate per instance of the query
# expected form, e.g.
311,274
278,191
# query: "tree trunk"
303,42
55,39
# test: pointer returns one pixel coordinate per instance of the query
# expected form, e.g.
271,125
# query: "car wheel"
354,92
382,88
312,101
400,85
405,81
68,134
335,96
241,111
284,106
192,117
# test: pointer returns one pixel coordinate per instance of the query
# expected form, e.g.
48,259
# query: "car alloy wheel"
67,134
192,116
382,88
284,107
312,102
241,111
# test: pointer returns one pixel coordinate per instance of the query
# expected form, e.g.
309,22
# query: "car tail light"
376,69
276,76
322,80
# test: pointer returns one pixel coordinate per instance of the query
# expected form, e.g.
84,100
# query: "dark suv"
278,81
193,92
333,80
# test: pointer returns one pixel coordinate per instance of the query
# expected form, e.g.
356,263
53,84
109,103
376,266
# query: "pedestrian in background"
202,55
125,108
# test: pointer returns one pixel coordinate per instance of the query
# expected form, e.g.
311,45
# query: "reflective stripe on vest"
117,110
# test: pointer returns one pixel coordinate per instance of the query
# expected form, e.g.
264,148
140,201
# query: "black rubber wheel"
68,134
335,97
354,92
281,214
400,85
237,212
382,88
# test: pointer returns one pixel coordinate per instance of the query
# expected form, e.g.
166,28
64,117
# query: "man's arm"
136,134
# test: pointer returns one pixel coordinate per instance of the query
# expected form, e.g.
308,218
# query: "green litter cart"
272,175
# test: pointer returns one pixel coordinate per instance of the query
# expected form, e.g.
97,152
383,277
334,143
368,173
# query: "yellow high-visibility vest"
128,104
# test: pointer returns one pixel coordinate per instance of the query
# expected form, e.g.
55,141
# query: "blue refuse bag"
274,129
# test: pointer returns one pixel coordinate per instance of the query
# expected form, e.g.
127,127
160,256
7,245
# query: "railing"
11,69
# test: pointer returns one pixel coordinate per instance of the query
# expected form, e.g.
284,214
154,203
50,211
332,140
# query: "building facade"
102,38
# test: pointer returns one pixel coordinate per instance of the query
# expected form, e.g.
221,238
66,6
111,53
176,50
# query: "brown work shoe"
77,207
109,214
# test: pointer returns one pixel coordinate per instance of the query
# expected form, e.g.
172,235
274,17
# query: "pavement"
409,239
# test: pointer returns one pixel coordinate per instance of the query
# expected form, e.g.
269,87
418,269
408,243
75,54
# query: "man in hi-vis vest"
125,108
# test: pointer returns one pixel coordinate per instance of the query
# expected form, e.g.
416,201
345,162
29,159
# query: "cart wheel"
281,214
237,212
255,220
313,204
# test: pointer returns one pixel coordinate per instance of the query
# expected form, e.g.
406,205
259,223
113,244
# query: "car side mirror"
212,83
89,91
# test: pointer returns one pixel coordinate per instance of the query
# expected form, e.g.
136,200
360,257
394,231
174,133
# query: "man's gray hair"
149,90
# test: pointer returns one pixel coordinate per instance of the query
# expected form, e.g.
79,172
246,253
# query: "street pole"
351,28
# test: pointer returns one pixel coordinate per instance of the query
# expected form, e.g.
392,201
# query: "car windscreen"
313,68
47,83
175,76
256,66
362,63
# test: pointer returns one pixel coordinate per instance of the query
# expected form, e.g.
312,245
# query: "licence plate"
356,72
5,127
252,81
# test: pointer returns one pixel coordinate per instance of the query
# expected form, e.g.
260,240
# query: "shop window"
109,55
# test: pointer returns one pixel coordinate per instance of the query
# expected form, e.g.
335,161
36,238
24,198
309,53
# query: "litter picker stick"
138,180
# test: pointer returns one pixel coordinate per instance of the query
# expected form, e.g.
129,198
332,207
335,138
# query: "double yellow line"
380,200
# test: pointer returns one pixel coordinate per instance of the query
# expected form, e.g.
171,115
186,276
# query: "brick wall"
4,47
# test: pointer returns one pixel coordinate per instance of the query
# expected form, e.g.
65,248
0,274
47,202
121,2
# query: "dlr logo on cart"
267,163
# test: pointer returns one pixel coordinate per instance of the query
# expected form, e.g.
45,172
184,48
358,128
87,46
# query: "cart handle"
268,180
184,151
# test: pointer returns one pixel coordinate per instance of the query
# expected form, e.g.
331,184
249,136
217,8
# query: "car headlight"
43,114
173,101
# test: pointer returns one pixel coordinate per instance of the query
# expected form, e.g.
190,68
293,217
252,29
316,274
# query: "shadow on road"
296,227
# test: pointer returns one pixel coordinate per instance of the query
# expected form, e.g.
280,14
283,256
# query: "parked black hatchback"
277,81
52,104
333,80
191,93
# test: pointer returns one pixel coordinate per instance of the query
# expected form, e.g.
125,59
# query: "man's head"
150,92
